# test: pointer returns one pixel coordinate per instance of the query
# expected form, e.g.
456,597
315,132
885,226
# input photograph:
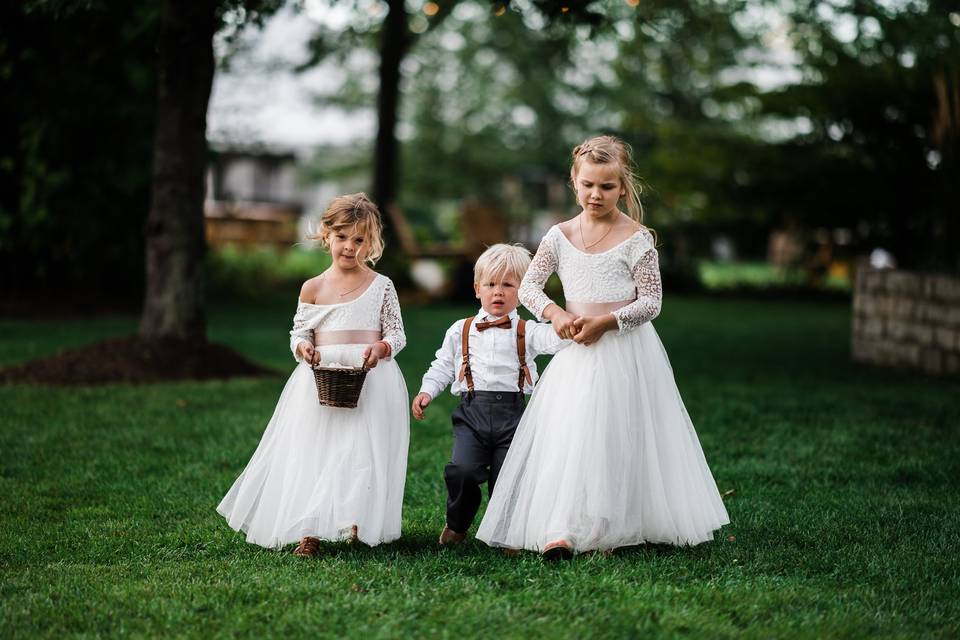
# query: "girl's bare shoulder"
568,227
632,226
627,223
310,289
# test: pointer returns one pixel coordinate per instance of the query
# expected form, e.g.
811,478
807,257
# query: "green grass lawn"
762,275
845,509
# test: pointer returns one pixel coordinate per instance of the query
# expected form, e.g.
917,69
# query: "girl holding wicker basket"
331,463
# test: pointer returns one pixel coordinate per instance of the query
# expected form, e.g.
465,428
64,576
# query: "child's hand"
373,353
309,354
419,404
591,328
564,323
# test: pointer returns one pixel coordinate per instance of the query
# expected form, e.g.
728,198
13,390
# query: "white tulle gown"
605,455
320,470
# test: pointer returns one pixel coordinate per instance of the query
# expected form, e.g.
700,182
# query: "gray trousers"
483,427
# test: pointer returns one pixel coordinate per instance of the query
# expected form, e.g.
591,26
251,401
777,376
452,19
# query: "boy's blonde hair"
609,150
502,260
347,212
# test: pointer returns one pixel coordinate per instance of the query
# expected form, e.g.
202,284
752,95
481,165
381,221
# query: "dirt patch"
134,360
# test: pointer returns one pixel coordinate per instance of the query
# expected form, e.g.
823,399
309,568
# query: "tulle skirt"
320,470
605,456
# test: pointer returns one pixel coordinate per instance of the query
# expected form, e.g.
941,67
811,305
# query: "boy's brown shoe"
449,536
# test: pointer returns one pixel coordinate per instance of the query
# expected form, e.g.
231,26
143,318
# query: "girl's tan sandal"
558,550
307,548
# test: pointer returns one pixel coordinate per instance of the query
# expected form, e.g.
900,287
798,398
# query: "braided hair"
609,150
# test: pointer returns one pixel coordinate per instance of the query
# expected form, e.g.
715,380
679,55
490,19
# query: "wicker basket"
338,387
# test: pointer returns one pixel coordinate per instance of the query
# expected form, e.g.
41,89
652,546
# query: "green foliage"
75,165
869,155
492,94
250,273
860,141
77,131
760,277
844,512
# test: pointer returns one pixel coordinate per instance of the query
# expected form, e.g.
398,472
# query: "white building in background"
256,197
254,176
253,198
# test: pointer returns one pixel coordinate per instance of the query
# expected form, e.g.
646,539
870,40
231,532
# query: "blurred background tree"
92,82
174,305
746,117
497,91
877,116
79,86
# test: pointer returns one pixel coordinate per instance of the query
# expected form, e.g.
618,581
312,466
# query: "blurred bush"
250,273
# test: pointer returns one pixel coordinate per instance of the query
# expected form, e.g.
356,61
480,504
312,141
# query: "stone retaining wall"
907,319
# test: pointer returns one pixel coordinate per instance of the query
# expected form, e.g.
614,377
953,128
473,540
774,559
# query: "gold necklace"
346,293
583,242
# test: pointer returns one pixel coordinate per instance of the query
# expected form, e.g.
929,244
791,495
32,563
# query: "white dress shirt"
493,356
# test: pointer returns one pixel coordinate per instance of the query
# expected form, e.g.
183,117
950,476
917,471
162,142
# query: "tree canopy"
861,134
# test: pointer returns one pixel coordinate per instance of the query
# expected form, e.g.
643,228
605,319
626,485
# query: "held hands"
589,329
564,323
583,330
309,354
419,404
373,354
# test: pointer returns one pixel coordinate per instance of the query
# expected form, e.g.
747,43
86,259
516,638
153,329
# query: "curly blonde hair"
608,150
353,211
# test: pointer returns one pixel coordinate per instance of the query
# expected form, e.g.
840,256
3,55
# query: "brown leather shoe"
558,550
449,536
307,548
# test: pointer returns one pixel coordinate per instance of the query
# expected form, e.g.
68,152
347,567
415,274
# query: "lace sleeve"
646,275
300,332
391,322
531,289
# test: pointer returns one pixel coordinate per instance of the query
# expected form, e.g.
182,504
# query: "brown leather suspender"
522,353
465,372
465,350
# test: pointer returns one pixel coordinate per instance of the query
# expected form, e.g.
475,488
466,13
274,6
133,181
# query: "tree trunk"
174,302
394,43
393,46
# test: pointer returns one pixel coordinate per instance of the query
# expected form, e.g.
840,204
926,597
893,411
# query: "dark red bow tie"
501,323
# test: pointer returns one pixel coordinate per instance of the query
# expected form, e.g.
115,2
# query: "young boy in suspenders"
488,359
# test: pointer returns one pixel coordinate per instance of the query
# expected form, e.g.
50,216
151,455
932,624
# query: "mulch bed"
135,360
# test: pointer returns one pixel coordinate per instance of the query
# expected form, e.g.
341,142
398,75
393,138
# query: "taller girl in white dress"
323,472
605,455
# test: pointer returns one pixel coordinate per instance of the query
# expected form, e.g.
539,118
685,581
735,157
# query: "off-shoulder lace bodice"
376,309
627,271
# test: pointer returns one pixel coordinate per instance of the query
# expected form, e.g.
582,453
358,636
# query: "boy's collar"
482,315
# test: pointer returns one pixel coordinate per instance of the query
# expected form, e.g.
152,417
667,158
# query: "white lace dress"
605,455
320,470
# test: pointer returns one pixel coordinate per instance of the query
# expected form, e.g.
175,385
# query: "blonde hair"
502,260
354,210
607,150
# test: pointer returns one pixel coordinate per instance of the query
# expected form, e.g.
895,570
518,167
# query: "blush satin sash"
595,308
345,336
